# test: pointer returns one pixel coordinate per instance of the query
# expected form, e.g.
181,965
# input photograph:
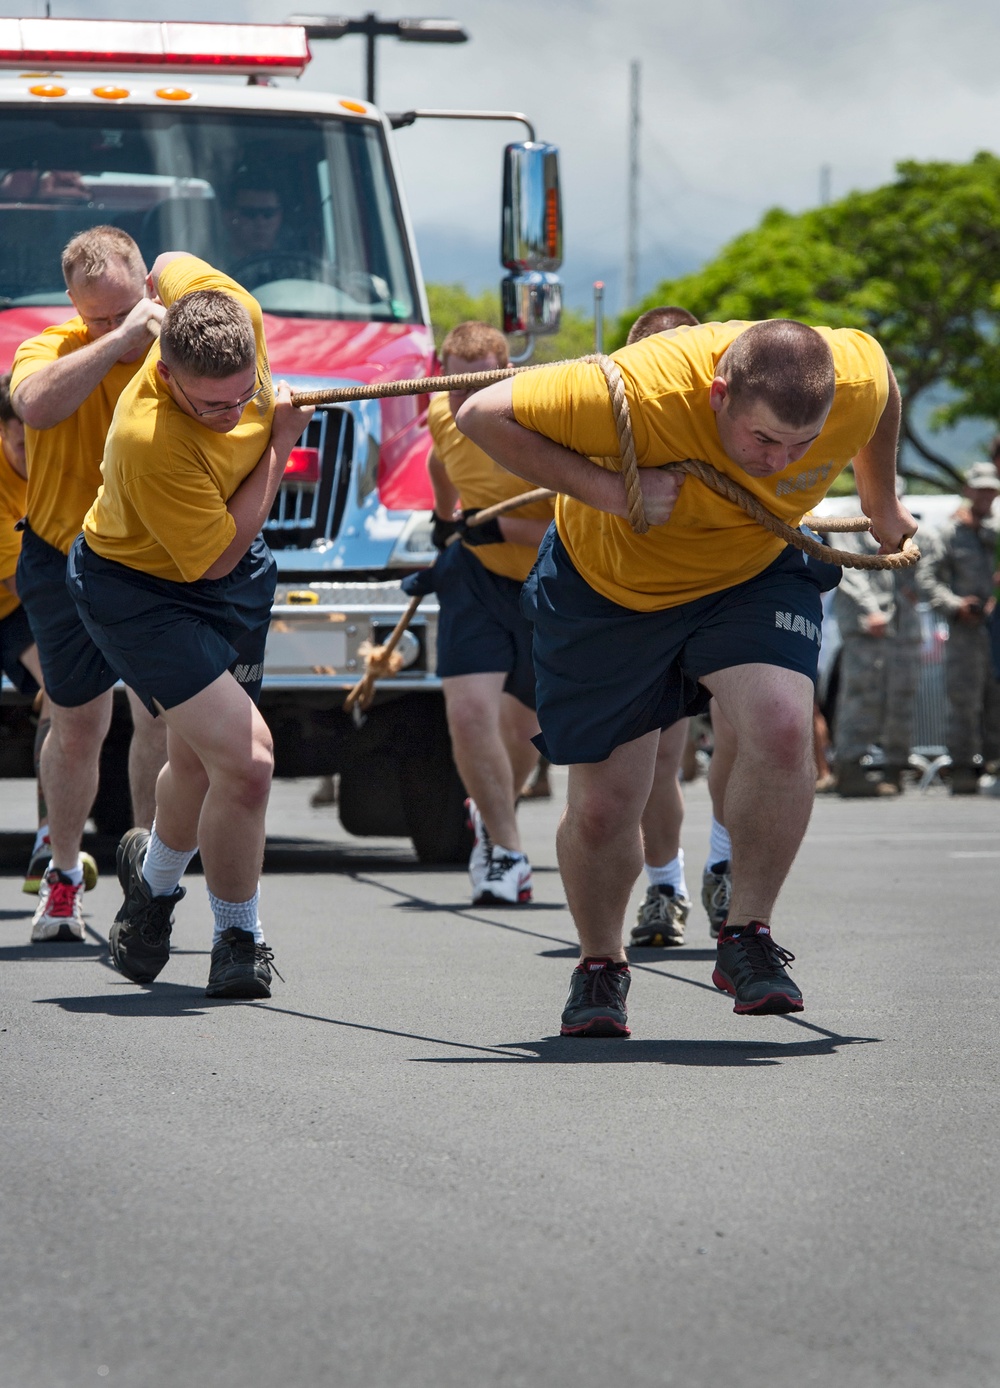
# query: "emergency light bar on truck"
113,45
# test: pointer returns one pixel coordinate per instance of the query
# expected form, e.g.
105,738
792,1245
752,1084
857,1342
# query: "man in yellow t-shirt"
483,641
632,632
65,384
174,582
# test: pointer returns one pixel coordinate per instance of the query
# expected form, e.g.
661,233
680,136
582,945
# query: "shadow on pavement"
281,854
161,1000
560,1050
176,999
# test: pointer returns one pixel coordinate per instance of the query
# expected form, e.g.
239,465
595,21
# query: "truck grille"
304,511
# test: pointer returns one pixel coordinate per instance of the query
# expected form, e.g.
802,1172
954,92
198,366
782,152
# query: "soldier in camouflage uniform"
956,578
876,612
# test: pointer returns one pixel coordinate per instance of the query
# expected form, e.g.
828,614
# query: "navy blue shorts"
70,660
169,641
15,638
481,629
607,675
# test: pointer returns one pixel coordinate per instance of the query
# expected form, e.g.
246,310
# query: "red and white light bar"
113,45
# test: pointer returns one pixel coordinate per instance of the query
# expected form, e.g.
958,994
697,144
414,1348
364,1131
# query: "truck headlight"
414,546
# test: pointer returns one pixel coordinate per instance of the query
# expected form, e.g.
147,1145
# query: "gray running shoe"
661,918
596,1002
750,967
716,891
140,936
241,968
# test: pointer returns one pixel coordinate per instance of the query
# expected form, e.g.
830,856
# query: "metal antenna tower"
632,230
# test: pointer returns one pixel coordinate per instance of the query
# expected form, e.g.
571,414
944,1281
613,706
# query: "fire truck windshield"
301,210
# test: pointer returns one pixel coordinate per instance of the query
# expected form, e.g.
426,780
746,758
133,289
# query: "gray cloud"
743,101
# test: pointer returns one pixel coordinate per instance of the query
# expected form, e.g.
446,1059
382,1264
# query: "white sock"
75,874
42,836
720,847
236,915
163,867
669,875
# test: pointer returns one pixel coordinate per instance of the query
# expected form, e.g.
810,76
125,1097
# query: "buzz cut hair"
7,410
784,365
208,333
472,340
660,320
88,255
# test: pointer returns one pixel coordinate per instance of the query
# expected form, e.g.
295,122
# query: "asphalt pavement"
394,1174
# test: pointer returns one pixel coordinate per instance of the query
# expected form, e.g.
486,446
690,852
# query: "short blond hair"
88,255
208,333
472,340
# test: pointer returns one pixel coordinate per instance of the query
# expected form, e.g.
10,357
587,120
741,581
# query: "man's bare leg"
721,765
146,754
769,790
479,740
218,796
664,813
70,763
518,725
599,842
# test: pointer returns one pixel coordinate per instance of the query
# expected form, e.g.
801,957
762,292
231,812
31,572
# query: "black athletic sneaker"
751,967
241,968
596,1002
140,935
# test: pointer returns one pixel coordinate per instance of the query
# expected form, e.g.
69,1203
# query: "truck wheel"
112,809
370,802
434,804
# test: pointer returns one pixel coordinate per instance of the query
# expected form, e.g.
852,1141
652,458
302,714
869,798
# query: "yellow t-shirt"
64,462
167,477
13,493
481,482
708,543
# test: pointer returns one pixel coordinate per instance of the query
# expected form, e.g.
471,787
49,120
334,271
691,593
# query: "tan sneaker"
661,918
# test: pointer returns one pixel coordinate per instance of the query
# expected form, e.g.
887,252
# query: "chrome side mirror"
531,232
532,303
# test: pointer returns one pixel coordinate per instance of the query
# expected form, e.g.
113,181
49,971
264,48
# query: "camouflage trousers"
973,695
876,697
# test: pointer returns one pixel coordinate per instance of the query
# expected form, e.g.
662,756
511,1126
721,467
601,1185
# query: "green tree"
916,263
451,304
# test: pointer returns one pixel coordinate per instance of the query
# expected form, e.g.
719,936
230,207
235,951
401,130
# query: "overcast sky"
743,101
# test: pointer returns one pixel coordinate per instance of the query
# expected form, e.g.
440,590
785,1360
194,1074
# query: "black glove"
443,531
488,533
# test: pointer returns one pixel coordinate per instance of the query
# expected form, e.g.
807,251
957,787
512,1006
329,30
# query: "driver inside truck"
254,220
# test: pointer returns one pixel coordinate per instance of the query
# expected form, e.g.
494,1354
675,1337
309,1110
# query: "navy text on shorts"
606,675
481,629
168,641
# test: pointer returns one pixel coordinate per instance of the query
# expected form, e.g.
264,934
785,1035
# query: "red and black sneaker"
751,968
596,1002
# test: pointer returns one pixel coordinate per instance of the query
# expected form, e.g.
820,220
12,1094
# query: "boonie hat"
984,476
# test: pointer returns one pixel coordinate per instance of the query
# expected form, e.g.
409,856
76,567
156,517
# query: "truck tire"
433,795
112,808
369,801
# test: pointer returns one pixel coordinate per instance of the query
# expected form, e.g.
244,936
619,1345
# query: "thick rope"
904,558
628,464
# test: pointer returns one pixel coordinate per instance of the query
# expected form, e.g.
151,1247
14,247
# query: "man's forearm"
488,419
875,464
54,392
249,506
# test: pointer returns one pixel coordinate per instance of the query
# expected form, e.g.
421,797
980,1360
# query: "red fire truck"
192,137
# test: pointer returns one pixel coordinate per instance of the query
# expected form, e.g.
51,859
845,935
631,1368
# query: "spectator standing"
876,612
957,578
